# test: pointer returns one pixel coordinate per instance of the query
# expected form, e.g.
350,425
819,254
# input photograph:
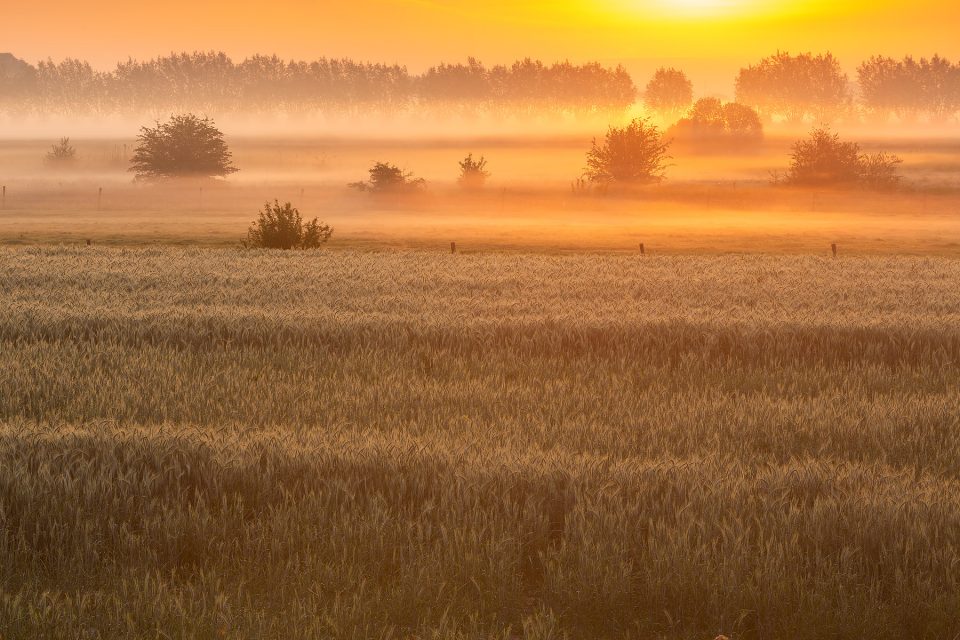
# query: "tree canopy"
184,146
795,88
909,89
669,92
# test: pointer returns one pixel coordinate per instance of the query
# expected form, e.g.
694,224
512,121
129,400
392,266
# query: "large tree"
185,146
795,88
669,92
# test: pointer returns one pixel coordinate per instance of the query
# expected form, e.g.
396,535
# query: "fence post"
453,247
100,199
833,247
642,250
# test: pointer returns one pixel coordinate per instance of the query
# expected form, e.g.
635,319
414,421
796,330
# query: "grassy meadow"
720,202
218,443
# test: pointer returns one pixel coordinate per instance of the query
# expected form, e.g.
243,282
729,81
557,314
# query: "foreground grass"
240,444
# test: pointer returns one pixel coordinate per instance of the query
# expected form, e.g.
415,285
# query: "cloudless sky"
417,33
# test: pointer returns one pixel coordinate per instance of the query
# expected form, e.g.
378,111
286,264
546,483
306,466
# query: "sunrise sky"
704,35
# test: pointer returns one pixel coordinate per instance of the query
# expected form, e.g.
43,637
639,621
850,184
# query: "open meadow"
711,202
203,443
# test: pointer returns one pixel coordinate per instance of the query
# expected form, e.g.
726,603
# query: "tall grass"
391,445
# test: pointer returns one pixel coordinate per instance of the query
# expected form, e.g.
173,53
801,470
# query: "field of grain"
224,443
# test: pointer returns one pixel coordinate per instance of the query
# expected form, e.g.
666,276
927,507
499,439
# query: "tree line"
211,81
782,87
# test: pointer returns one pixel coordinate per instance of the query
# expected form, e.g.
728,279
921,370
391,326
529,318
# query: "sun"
690,9
698,7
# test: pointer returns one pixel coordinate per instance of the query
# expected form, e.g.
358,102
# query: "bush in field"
825,160
281,227
636,153
185,146
473,173
62,153
389,178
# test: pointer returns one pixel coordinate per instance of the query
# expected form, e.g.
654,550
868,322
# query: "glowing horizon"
419,33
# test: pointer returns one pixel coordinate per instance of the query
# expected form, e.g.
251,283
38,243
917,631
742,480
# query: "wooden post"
99,198
3,201
453,247
88,242
833,247
642,252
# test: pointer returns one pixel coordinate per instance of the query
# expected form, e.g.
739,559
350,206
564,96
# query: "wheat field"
213,443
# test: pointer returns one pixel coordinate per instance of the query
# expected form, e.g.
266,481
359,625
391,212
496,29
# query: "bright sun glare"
690,8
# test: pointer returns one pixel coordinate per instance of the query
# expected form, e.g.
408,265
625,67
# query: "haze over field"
446,320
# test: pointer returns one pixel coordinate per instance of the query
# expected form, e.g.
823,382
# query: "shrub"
62,153
281,227
186,146
388,178
879,170
823,159
473,173
636,153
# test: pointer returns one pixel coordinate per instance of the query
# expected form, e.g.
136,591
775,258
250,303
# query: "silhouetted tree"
281,227
185,146
742,121
795,87
907,88
62,153
18,81
388,178
824,160
713,123
70,86
669,92
473,173
636,153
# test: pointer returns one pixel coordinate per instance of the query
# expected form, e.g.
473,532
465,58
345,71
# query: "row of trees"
793,88
807,87
211,81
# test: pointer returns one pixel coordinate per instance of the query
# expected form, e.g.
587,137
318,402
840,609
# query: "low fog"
302,132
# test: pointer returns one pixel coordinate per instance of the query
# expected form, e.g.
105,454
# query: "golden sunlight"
694,9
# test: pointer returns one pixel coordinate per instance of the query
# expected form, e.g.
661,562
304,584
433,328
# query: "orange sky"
702,35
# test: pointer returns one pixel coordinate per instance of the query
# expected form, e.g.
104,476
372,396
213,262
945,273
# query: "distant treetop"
669,92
